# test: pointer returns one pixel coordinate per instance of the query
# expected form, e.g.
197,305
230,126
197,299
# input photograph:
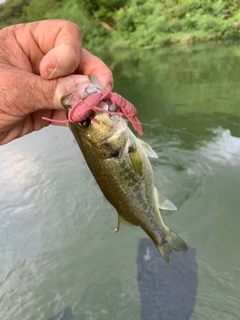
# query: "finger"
54,90
32,92
60,43
91,64
65,55
60,61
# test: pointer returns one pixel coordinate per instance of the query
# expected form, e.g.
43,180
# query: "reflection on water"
225,149
57,245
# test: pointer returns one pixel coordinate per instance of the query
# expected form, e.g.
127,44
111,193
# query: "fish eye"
112,108
85,123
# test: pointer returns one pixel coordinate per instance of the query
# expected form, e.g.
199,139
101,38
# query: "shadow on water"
167,292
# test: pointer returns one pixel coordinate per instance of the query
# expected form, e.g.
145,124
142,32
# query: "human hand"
40,62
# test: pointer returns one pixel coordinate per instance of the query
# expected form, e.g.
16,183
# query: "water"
57,245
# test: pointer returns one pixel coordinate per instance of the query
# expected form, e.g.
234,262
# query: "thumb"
59,61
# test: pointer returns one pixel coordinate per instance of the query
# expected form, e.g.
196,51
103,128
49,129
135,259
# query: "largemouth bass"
119,162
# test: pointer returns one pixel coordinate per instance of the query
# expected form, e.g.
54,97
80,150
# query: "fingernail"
53,72
109,86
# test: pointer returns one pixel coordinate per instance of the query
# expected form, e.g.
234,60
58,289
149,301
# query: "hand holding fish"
39,62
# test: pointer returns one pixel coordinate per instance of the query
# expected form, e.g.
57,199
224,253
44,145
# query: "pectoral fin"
122,223
163,202
147,148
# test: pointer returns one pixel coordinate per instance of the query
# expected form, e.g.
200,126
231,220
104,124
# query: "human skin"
40,62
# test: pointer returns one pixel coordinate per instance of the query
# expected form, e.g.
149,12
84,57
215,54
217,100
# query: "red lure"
84,107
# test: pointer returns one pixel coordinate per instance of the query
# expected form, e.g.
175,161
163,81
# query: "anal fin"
163,202
122,223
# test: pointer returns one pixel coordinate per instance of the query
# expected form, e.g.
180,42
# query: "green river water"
58,248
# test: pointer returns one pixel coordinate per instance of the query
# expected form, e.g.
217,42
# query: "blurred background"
118,24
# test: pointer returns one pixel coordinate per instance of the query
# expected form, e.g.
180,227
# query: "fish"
119,163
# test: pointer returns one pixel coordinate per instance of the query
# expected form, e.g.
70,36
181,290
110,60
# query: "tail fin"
173,242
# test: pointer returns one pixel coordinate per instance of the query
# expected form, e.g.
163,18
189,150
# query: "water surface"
57,245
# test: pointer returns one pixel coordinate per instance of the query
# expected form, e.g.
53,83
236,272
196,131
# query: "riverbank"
115,25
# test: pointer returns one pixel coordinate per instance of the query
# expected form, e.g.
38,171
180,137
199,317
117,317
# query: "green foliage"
153,23
135,23
102,9
40,10
11,11
76,12
70,10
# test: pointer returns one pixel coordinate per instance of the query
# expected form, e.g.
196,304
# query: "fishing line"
188,133
171,129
